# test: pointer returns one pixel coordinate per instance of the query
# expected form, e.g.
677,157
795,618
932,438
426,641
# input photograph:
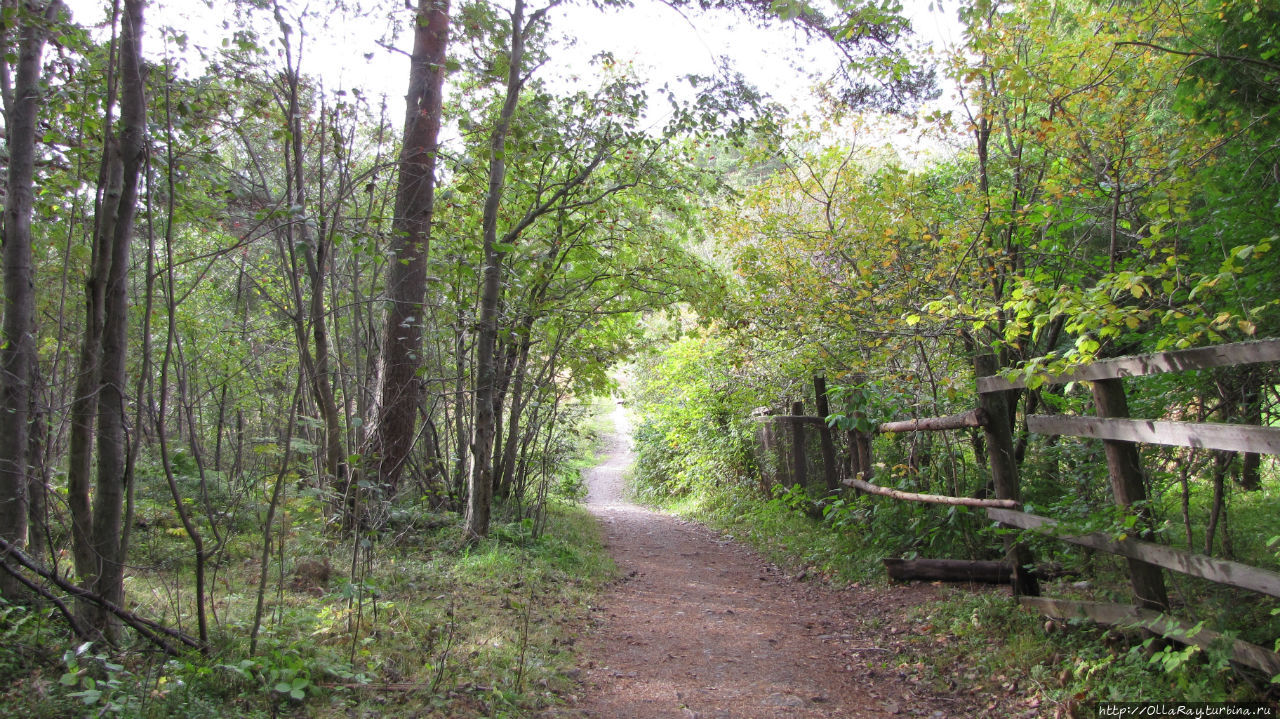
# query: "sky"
356,51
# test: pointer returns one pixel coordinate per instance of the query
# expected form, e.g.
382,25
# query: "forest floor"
700,625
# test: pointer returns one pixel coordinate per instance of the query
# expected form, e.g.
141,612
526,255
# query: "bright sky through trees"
361,49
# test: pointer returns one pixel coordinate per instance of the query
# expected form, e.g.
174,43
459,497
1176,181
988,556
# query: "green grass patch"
415,621
782,534
432,627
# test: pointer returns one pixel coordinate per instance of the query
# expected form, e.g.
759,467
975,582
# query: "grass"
783,535
435,629
428,625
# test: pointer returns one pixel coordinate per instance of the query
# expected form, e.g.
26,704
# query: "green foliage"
696,435
990,645
106,693
866,406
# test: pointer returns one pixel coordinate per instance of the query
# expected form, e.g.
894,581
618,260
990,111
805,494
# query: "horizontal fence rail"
973,418
1203,435
1221,571
1230,355
1241,652
930,498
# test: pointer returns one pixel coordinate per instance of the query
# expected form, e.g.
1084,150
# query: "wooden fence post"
828,447
767,449
859,453
1004,470
1125,472
799,472
864,454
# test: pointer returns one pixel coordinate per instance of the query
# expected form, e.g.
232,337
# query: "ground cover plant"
419,622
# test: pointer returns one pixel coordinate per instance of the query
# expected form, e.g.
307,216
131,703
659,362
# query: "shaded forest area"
293,389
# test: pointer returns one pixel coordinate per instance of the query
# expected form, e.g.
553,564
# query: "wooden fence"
1120,434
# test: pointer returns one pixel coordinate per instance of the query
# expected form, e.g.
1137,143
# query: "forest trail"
701,626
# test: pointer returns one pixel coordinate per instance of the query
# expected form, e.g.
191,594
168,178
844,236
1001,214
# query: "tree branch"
1202,54
150,630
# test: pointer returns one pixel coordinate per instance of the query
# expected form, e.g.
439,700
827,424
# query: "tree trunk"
396,406
313,351
1221,463
461,407
113,480
480,494
160,413
1250,477
17,354
84,403
998,433
38,538
1125,472
511,450
508,356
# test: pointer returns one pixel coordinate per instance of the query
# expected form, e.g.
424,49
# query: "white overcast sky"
659,40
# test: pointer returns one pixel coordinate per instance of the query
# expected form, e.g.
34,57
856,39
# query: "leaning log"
930,498
948,570
965,570
147,628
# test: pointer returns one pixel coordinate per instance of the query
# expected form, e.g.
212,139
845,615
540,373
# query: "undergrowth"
444,630
413,622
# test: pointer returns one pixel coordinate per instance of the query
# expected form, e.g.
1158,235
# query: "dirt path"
701,626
